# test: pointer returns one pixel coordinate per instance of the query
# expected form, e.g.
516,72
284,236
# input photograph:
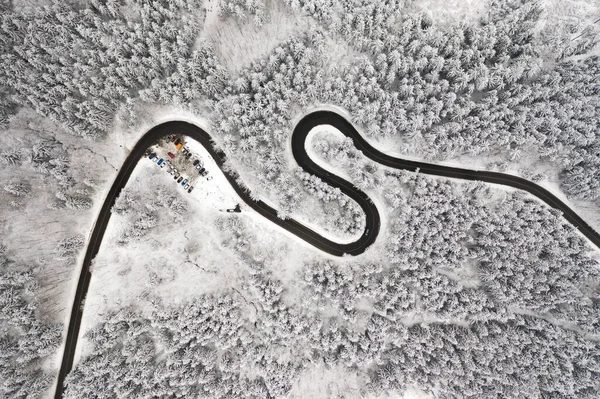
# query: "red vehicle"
171,155
173,138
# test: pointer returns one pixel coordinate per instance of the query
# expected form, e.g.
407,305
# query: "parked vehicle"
177,141
170,154
184,182
152,156
180,179
168,140
148,151
201,170
199,166
176,176
178,146
188,156
190,190
186,186
173,171
173,138
196,162
155,159
204,173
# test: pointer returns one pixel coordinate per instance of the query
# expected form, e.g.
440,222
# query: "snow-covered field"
448,12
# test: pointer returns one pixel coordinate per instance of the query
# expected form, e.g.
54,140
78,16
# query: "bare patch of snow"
320,382
237,44
448,12
566,22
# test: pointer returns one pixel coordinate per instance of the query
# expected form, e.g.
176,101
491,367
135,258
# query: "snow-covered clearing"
238,43
448,12
568,20
322,382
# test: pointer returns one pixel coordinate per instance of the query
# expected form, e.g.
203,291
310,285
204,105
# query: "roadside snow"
214,191
320,382
177,259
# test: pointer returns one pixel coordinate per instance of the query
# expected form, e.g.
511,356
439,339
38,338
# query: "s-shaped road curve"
298,149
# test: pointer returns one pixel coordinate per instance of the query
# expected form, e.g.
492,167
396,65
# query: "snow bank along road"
298,148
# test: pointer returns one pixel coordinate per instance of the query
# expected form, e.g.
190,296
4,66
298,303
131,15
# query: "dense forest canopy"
469,296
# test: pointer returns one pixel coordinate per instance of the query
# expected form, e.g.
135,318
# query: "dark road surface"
298,148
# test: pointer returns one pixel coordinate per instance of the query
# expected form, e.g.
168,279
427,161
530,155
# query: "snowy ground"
117,272
336,382
238,43
212,190
446,12
566,22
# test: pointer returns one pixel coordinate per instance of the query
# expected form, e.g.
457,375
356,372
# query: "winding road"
299,151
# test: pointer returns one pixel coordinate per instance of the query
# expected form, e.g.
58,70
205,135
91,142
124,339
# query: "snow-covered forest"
473,293
470,291
26,341
443,90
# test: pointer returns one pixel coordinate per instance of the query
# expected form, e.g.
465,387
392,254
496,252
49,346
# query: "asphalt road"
306,234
